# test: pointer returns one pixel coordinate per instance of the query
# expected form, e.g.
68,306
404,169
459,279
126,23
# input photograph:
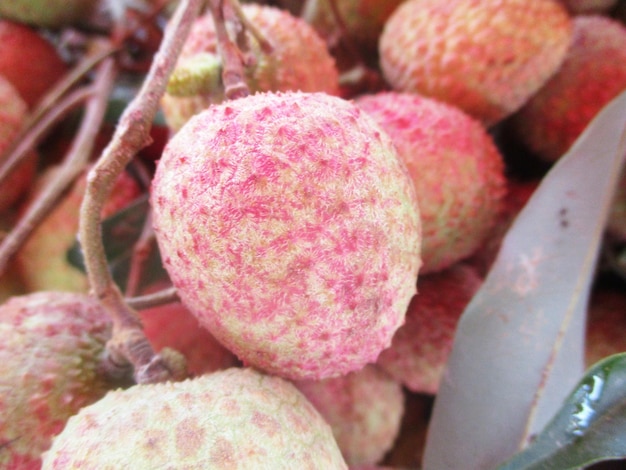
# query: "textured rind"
28,61
291,230
13,110
50,346
364,410
420,348
42,260
47,13
593,73
233,419
456,168
485,57
299,60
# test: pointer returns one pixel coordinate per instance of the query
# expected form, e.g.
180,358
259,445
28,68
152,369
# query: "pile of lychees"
327,188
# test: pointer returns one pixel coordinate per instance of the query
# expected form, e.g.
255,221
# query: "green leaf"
589,428
120,232
519,345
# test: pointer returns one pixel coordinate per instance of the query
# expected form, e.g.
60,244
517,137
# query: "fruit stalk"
74,163
129,345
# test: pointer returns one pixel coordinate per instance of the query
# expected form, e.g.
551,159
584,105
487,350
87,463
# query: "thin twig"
233,70
161,297
129,346
31,138
73,164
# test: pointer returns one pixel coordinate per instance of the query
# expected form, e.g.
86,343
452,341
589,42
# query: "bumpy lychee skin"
238,418
291,230
28,61
50,347
456,168
593,73
47,13
486,57
299,61
364,409
13,111
420,348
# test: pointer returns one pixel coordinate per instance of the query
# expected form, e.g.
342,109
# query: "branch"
129,346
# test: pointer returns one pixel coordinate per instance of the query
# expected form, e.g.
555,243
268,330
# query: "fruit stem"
73,164
129,346
161,297
233,62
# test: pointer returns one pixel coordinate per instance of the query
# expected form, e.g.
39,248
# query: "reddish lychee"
485,57
237,418
364,409
456,168
28,61
50,348
593,73
299,61
13,111
291,229
420,348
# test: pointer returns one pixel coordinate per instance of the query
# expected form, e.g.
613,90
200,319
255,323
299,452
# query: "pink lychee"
28,61
237,418
486,57
593,73
364,409
420,348
50,347
456,168
291,230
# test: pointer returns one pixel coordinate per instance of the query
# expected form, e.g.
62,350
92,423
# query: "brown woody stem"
129,346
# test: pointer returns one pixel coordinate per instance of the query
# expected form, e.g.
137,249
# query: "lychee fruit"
47,13
363,19
420,348
28,61
42,260
173,326
364,409
485,57
593,73
13,113
299,61
291,230
237,418
50,348
456,168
